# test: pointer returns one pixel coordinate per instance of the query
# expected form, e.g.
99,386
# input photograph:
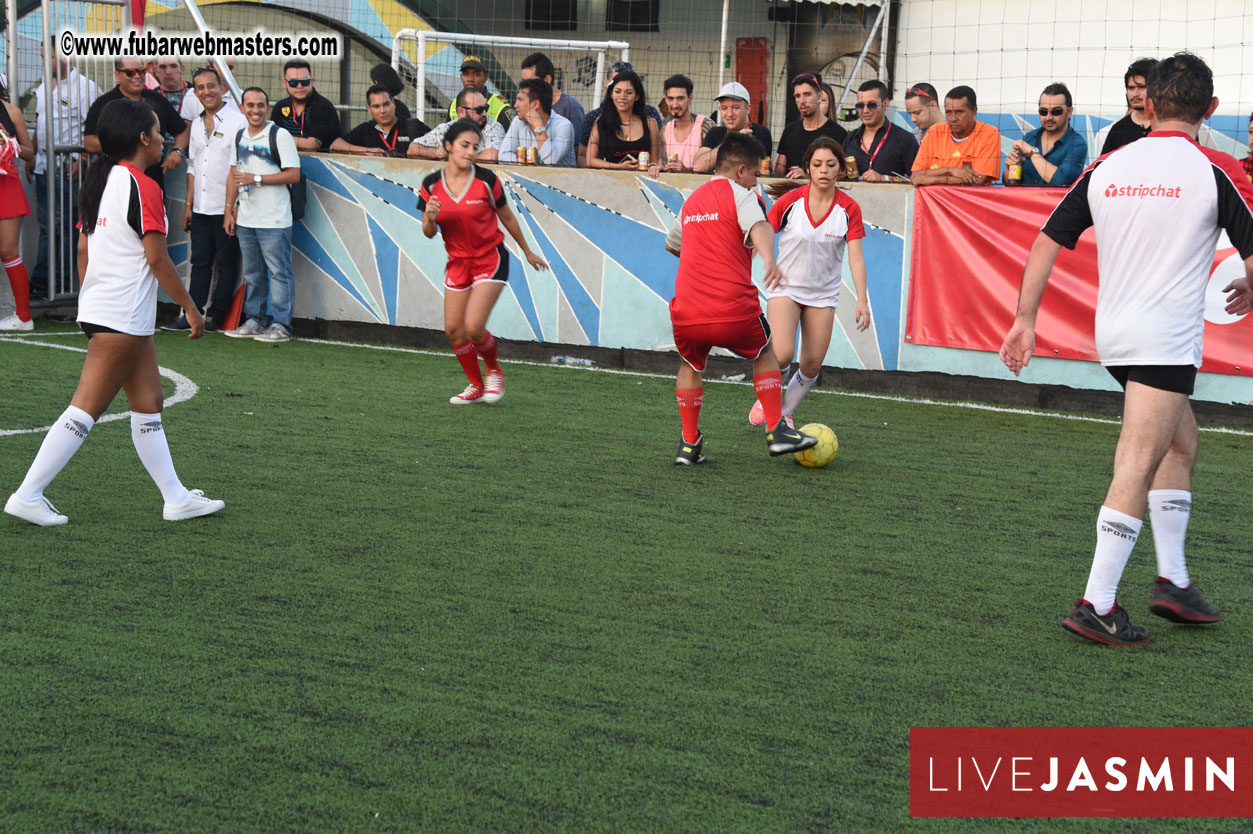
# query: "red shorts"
463,273
746,338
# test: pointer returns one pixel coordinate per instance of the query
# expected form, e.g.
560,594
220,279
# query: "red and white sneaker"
472,394
757,414
494,388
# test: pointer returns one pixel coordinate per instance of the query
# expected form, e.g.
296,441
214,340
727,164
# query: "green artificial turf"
419,617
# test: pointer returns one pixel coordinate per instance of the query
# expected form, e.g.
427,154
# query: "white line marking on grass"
184,388
997,409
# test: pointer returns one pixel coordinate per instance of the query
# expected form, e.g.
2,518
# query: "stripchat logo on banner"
1081,772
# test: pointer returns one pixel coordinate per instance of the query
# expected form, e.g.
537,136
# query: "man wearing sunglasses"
800,134
306,114
884,152
471,105
129,74
1053,154
474,76
962,151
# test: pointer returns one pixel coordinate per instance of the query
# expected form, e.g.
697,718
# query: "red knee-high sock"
689,412
487,350
20,284
769,388
469,360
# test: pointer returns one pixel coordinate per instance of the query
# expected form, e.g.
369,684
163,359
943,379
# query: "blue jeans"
66,234
267,272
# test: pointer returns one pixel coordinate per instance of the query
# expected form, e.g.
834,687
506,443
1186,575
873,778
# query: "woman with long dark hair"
622,132
385,76
15,144
463,203
122,257
816,224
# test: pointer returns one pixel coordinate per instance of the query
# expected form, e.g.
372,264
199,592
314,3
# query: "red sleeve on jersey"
781,205
151,204
856,229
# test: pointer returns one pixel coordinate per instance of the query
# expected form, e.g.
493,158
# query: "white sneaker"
14,323
494,388
39,512
248,330
274,333
195,506
472,394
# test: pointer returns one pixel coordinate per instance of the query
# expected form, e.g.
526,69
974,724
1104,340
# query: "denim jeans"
211,244
267,271
67,237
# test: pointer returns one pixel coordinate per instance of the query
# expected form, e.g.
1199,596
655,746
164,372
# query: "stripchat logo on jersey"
1143,191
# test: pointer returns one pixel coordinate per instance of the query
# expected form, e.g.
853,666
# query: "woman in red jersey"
466,205
122,257
816,224
15,144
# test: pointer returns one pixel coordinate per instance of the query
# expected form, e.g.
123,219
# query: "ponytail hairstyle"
119,131
778,189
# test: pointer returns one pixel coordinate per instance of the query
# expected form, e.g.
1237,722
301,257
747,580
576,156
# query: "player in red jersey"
463,203
715,302
815,223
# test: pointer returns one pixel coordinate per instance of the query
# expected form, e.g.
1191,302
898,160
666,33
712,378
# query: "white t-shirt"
1158,206
120,289
266,206
811,249
209,158
73,98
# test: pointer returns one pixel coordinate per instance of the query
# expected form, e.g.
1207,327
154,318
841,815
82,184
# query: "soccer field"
523,617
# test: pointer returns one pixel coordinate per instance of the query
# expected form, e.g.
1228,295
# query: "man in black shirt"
733,109
382,134
129,74
1134,125
800,134
884,151
306,114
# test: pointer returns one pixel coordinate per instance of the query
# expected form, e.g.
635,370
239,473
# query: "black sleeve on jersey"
783,218
428,185
489,179
1234,214
1073,215
135,209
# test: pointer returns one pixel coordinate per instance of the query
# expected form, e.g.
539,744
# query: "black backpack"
295,189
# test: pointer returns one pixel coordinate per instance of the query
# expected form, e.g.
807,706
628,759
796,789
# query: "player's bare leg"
816,324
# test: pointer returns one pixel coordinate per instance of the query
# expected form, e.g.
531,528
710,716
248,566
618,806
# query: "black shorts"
1180,379
92,329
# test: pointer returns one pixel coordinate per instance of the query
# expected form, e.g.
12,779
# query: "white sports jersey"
1158,206
811,250
120,289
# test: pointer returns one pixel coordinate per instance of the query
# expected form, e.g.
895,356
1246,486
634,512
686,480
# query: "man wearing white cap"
733,109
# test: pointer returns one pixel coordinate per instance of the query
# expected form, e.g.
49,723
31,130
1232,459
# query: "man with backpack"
266,190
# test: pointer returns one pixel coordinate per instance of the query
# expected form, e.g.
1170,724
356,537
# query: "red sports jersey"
467,222
715,282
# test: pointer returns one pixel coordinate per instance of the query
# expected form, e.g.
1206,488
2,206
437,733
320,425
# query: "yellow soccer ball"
822,453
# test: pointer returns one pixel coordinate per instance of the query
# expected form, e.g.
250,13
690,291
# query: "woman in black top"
622,133
385,76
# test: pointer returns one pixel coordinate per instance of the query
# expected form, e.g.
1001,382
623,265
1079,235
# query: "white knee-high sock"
1116,535
60,444
797,390
1169,510
149,437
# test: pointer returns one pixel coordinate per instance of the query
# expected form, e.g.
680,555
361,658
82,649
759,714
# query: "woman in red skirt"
15,144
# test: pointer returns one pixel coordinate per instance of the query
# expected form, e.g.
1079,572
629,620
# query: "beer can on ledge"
851,162
765,167
643,160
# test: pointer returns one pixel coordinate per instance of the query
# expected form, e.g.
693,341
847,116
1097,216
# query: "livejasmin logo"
1143,191
1023,775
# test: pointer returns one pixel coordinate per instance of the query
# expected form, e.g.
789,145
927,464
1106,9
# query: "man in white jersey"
1158,206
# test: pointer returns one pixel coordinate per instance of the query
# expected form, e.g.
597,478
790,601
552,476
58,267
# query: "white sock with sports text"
148,435
797,390
1169,510
60,444
1116,535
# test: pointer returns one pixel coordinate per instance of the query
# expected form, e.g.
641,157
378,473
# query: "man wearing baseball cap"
733,109
474,74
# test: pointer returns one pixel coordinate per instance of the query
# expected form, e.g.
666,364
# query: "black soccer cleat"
783,439
1113,629
1181,605
690,453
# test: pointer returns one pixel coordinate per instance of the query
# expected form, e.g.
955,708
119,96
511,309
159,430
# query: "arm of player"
1019,342
515,231
857,266
674,238
428,218
157,251
762,236
1240,292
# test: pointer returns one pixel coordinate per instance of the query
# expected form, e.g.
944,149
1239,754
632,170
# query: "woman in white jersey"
816,223
122,257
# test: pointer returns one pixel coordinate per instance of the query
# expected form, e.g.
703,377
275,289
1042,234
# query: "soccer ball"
823,452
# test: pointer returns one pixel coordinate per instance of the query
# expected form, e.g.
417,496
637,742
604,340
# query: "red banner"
1081,771
969,249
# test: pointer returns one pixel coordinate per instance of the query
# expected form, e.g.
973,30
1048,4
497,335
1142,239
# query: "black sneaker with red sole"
1181,605
1112,629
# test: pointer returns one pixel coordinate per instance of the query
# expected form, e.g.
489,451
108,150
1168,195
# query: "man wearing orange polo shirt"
962,151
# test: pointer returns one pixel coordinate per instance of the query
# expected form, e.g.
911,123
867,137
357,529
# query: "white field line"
184,388
997,409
